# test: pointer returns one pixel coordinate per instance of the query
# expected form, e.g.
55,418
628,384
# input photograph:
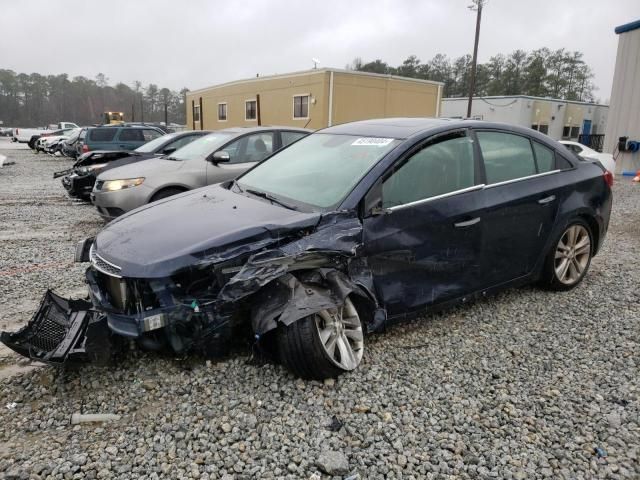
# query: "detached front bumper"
79,185
62,330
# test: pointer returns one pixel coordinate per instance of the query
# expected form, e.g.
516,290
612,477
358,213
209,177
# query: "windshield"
202,147
319,170
156,143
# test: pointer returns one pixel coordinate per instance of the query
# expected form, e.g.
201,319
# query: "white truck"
31,135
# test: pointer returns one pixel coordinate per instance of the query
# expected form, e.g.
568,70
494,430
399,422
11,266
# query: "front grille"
51,331
99,184
102,265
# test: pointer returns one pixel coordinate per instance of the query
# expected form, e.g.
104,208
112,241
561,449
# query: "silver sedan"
214,158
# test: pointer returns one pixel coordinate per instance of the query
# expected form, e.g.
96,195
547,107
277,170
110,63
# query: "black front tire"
301,349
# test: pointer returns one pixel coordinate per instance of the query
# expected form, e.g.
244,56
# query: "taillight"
85,148
608,178
17,132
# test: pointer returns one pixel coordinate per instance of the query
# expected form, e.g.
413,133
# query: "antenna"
315,63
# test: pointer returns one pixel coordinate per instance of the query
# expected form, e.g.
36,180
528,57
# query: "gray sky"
196,43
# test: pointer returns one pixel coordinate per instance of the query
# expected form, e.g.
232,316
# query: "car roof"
129,126
404,128
261,128
390,127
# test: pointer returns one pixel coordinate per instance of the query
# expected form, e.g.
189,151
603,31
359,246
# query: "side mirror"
373,202
168,150
220,157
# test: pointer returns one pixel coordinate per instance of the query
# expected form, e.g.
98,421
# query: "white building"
625,98
560,119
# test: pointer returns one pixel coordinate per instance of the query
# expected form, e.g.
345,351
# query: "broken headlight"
90,168
82,250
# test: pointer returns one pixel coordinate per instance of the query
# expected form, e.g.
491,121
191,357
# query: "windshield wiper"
171,158
271,198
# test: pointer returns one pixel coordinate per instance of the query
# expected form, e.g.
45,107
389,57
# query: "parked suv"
214,158
119,138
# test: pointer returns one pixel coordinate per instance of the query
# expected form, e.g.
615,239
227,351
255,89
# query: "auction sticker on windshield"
373,142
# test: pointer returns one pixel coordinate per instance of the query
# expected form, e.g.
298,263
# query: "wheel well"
595,230
172,187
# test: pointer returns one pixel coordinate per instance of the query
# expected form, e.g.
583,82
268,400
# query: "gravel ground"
523,385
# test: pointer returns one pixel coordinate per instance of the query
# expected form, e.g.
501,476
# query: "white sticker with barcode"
372,141
154,322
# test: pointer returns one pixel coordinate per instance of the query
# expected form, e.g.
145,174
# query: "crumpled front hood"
210,224
149,167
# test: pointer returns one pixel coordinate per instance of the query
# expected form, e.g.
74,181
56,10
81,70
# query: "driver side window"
251,148
436,169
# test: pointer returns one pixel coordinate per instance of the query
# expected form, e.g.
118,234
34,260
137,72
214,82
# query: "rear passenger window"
102,134
181,142
289,137
506,156
437,169
545,158
150,134
562,163
131,135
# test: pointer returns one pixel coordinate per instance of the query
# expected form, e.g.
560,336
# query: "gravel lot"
523,385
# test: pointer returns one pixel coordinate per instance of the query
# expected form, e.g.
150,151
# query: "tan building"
313,99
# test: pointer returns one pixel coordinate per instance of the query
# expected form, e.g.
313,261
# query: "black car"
79,180
341,233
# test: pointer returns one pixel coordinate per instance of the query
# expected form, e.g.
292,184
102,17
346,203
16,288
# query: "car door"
244,153
521,203
424,244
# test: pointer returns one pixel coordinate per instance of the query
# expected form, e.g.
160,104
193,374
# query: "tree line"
37,100
559,74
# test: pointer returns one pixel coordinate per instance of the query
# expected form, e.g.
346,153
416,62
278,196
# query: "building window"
566,131
575,131
222,112
301,106
534,126
250,110
196,113
544,129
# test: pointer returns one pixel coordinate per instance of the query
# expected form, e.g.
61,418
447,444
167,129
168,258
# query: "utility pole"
477,5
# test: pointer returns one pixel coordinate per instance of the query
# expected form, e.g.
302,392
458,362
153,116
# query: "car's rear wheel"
569,260
323,345
167,192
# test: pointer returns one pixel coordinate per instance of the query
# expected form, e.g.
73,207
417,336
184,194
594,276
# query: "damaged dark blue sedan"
344,231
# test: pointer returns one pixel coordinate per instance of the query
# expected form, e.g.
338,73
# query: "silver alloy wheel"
572,254
341,335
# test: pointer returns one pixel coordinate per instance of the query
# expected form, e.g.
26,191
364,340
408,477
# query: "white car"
30,135
45,143
606,159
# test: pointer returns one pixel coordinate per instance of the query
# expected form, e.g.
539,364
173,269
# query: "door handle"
467,223
545,200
